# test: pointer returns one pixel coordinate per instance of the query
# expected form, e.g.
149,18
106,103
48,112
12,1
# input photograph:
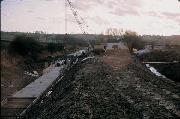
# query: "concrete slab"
35,88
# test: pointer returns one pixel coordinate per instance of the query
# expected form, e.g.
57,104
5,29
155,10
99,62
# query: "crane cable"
80,21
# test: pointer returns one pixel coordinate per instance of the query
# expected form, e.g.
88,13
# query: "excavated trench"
170,70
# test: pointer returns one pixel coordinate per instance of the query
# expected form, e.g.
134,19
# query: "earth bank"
95,89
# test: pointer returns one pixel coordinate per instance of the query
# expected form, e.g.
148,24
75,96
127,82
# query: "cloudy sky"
160,17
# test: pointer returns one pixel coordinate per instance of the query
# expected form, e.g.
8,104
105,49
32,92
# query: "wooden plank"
161,62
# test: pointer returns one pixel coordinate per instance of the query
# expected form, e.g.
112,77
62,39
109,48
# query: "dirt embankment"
95,89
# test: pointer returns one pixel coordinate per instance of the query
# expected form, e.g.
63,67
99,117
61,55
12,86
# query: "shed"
111,46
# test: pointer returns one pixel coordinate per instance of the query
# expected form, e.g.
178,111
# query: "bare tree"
114,32
133,40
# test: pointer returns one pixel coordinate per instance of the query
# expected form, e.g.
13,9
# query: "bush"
25,46
133,41
54,47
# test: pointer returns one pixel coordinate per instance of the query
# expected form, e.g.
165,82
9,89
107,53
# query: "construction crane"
80,21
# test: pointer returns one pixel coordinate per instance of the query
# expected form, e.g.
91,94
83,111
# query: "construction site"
68,76
113,84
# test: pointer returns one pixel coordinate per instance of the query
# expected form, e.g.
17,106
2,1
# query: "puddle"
153,70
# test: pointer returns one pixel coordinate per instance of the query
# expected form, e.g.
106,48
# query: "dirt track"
95,89
117,59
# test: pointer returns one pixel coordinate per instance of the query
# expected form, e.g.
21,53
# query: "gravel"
93,89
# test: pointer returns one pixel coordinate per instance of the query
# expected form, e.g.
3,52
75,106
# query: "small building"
114,44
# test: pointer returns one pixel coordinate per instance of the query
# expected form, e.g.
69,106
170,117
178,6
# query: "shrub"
133,41
54,47
25,46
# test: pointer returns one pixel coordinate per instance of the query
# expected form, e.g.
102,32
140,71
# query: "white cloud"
143,16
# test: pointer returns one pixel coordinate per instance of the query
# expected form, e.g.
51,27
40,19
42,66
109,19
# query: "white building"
115,44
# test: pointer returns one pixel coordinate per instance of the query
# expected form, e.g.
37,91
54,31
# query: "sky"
158,17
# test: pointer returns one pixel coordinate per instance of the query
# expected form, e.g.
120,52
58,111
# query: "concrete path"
35,88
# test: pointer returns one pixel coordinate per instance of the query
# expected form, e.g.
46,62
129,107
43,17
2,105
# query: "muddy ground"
94,89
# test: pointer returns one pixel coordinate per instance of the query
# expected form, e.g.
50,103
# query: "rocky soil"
94,89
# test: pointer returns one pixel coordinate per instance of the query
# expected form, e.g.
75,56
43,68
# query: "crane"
80,21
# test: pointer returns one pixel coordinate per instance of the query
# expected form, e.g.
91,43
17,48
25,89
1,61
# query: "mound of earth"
94,89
